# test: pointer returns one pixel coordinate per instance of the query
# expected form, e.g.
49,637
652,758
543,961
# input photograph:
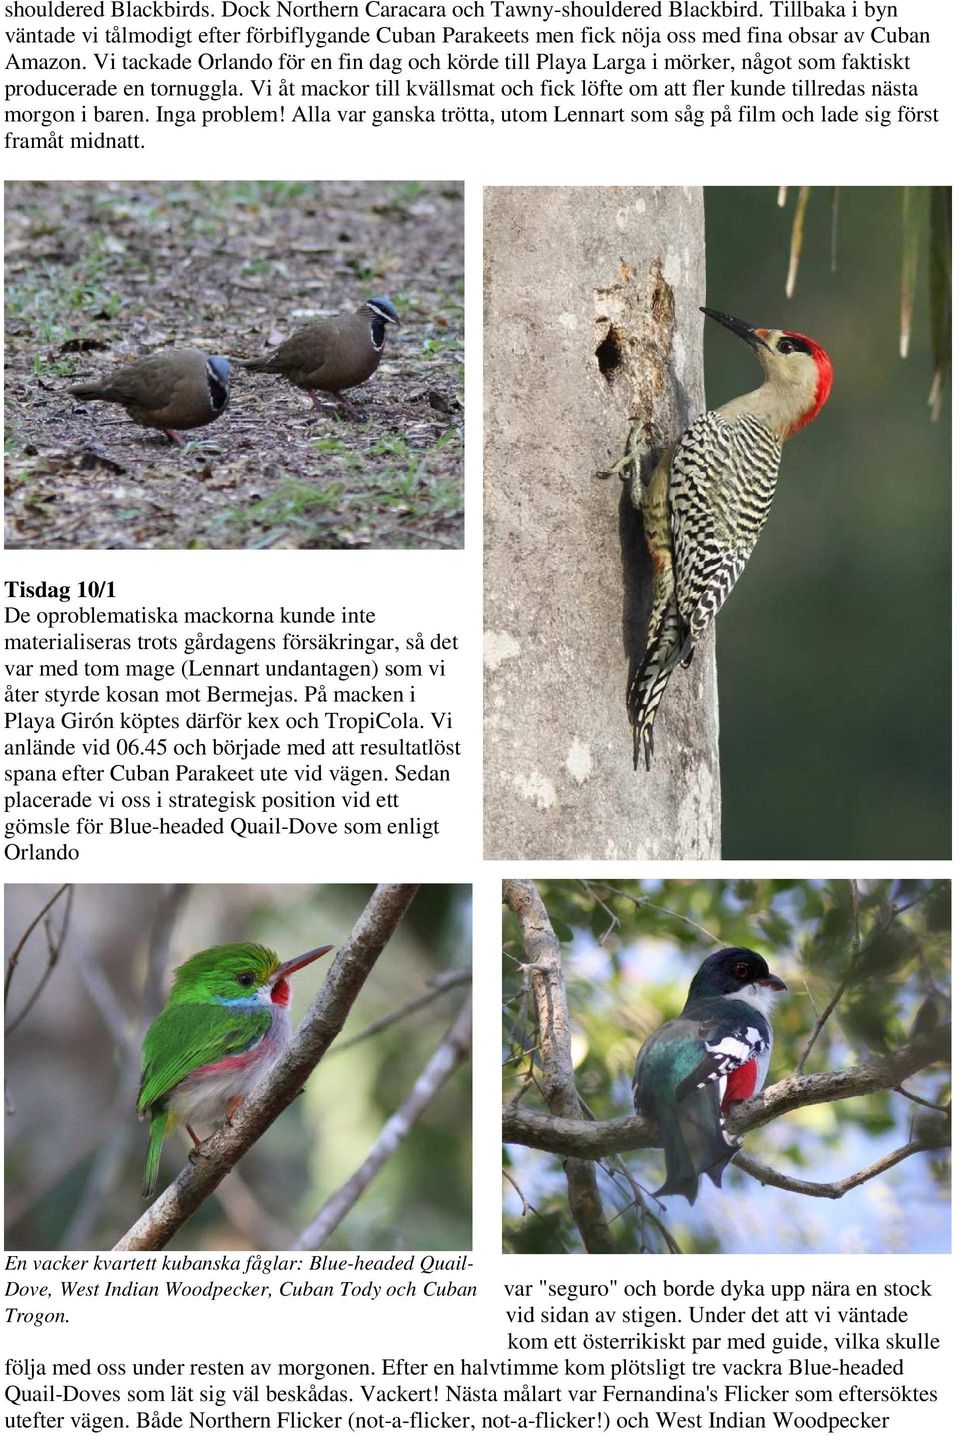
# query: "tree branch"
274,1092
108,1006
172,900
641,901
127,1032
449,1055
832,1190
559,1086
857,952
525,1207
14,956
824,1016
592,1140
922,1100
438,987
54,951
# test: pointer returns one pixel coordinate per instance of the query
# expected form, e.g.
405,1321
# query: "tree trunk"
591,323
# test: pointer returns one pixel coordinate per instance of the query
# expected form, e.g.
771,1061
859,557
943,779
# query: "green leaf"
888,951
796,237
910,263
776,929
938,908
940,286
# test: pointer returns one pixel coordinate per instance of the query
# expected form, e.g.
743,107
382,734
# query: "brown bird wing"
149,383
305,352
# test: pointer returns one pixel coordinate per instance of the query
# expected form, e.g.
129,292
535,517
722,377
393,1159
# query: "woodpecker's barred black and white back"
722,479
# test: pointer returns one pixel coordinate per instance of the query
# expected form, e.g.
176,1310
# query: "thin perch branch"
592,1140
857,951
526,1207
449,1055
852,965
170,905
438,987
922,1100
54,952
641,901
274,1092
831,1190
108,1006
15,954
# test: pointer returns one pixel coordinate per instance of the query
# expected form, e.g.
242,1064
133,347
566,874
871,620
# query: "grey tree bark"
591,324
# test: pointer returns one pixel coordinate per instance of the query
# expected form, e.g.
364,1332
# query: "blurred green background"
74,1148
629,952
833,652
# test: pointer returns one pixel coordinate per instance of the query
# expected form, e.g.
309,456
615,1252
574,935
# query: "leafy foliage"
631,949
826,752
918,220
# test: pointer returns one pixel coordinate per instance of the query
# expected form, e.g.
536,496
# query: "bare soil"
97,274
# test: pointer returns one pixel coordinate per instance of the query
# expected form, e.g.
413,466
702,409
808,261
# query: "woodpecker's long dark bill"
287,969
748,332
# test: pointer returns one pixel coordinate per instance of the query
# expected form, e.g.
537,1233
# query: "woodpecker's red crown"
798,375
824,375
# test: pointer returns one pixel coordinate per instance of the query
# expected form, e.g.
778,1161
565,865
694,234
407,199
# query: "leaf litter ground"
97,274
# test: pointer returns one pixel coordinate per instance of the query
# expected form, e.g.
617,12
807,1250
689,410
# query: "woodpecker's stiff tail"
648,683
649,678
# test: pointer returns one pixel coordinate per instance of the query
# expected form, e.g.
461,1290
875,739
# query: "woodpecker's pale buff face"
797,375
799,370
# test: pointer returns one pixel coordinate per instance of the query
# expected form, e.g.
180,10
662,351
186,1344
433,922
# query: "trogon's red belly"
741,1084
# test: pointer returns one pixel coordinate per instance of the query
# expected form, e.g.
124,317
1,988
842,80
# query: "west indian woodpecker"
707,501
692,1070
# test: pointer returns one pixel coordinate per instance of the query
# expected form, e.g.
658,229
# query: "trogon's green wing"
186,1036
